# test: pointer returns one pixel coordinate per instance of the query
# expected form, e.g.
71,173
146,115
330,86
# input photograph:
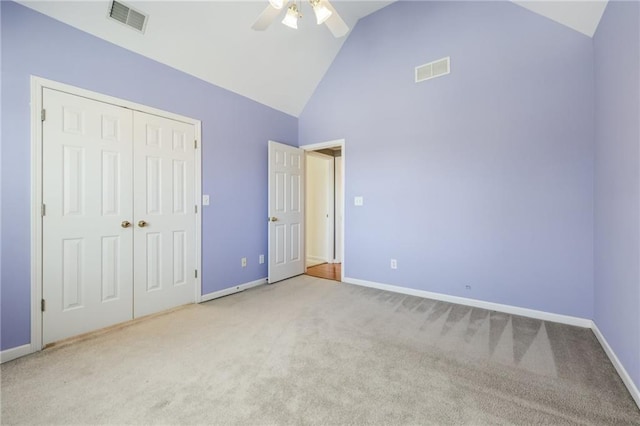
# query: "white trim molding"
315,260
231,290
13,353
37,85
509,309
514,310
622,372
323,145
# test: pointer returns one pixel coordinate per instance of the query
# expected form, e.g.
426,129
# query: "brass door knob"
125,224
142,224
273,219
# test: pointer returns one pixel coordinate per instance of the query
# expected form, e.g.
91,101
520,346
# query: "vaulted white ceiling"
279,67
582,16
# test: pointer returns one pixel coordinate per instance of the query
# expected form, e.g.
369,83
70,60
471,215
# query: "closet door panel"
164,210
88,196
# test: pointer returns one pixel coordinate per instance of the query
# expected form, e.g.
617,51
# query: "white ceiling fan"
324,11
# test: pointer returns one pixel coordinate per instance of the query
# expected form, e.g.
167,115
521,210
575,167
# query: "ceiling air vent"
433,69
128,16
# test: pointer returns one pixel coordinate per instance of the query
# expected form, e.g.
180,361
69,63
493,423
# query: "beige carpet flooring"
309,351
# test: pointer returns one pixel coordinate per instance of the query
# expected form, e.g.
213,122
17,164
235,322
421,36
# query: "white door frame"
37,86
331,144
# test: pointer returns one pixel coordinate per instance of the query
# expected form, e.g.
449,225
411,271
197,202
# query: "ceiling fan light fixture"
291,18
276,4
322,12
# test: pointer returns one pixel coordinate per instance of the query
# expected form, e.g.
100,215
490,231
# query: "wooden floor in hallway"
329,271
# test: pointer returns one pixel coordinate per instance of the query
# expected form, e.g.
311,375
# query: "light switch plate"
358,201
205,200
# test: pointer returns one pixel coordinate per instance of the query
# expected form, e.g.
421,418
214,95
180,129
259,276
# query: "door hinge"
196,206
43,114
42,305
195,143
43,210
196,273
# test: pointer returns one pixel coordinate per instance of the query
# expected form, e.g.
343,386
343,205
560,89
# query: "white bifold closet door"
119,219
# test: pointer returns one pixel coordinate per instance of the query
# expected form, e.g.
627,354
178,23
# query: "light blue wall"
617,214
483,177
235,131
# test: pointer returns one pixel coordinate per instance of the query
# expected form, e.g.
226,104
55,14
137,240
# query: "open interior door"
286,211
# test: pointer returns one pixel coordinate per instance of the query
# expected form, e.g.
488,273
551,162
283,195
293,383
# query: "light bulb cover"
321,11
276,4
291,18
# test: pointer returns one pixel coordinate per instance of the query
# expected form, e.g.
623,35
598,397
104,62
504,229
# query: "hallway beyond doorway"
329,271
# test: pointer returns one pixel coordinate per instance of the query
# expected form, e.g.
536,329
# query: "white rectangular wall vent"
433,69
128,16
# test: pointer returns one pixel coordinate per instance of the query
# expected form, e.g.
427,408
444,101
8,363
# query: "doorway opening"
324,211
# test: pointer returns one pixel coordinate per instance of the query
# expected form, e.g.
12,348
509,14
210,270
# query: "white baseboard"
622,372
515,310
509,309
17,352
313,260
231,290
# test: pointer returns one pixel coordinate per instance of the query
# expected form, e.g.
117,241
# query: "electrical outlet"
358,201
394,264
261,259
243,262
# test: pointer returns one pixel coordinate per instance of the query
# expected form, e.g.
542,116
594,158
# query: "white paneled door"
118,220
87,194
164,206
286,211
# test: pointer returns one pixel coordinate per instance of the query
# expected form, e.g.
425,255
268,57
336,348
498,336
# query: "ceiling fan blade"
335,23
266,18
